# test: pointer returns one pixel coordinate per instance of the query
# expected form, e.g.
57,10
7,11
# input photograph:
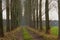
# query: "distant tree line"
32,7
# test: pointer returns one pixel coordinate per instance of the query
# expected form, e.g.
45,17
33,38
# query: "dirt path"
35,36
19,36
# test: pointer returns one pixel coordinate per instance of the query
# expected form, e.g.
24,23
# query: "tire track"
35,36
20,35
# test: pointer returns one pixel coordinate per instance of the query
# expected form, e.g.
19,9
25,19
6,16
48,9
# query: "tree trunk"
33,12
12,15
1,20
59,18
37,12
40,15
28,8
47,17
7,11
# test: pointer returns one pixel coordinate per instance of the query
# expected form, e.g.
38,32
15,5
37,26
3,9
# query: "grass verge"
26,35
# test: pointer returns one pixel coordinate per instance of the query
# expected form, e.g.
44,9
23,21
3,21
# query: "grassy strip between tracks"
26,35
45,36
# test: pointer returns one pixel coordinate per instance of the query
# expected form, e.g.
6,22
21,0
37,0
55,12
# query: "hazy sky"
53,13
53,10
3,7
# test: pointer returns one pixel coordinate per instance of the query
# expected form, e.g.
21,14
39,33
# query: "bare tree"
26,11
40,14
1,20
59,18
33,11
7,11
30,14
12,14
37,12
47,17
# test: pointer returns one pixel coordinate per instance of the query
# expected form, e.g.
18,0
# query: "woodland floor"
27,33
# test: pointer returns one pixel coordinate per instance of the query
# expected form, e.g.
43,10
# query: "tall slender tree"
33,11
59,18
40,14
26,11
12,14
47,17
30,14
7,11
37,12
13,24
1,20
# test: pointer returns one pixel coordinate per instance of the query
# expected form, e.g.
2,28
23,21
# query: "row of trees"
13,9
31,7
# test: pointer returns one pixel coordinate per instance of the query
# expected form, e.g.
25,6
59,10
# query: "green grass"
26,35
54,31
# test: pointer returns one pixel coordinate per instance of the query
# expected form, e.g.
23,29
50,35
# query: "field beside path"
46,36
